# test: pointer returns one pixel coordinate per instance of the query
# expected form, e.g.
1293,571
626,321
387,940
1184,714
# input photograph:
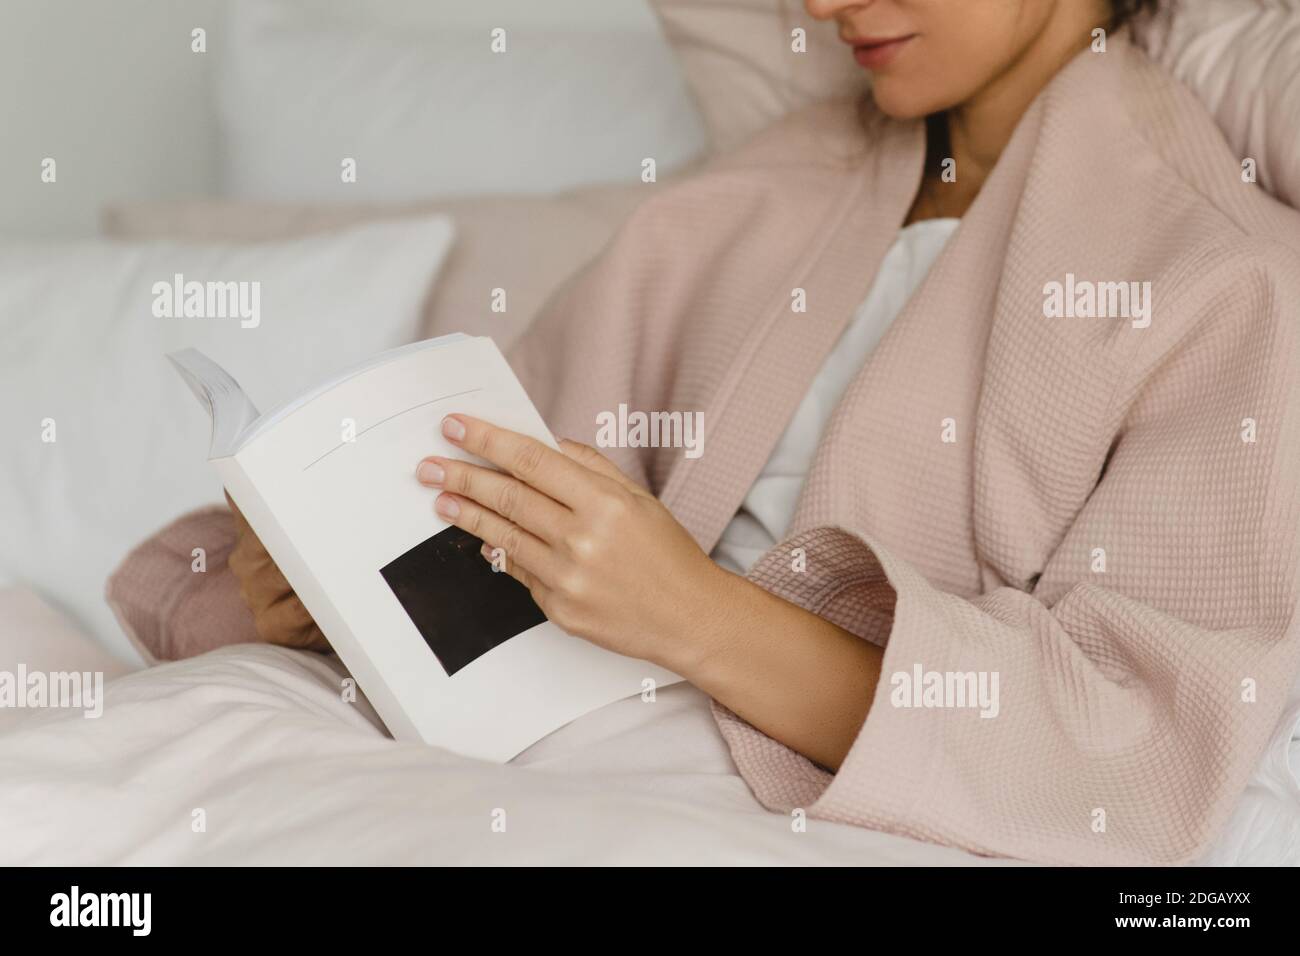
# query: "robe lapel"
899,449
917,453
752,407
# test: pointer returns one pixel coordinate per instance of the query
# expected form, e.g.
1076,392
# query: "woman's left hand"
600,555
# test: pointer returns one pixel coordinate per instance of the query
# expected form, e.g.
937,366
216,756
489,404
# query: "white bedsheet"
285,772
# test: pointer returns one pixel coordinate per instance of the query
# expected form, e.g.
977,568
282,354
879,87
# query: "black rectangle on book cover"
460,605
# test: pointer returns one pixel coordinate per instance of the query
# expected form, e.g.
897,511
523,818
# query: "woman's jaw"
927,56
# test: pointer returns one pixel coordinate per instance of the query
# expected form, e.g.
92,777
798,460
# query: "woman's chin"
902,101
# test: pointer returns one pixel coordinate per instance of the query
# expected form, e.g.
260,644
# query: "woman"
994,540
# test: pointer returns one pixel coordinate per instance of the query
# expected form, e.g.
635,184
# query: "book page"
228,407
465,658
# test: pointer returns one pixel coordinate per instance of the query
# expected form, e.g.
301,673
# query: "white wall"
111,91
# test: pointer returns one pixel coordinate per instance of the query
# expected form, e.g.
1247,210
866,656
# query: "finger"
532,462
590,458
285,621
501,562
520,546
538,591
507,496
251,563
278,615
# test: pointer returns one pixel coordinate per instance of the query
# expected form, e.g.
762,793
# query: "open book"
448,650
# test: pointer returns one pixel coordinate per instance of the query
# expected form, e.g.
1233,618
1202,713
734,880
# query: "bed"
251,754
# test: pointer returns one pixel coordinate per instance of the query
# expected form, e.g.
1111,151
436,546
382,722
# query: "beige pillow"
526,245
738,60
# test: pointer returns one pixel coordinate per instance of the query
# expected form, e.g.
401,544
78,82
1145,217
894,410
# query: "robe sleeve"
1134,697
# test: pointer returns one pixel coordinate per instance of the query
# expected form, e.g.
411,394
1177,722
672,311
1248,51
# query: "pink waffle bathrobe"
1101,509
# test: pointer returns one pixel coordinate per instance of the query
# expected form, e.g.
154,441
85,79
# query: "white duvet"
249,755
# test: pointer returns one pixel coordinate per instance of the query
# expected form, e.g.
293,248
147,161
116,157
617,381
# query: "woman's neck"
975,132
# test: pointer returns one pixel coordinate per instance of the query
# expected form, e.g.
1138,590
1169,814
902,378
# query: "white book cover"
447,650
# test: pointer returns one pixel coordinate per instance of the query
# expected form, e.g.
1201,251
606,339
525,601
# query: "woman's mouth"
876,54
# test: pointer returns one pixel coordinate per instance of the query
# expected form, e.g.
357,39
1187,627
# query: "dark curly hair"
1126,10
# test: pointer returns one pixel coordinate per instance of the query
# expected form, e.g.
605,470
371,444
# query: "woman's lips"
877,54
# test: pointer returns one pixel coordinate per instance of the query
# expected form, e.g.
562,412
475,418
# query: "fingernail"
447,506
430,473
453,429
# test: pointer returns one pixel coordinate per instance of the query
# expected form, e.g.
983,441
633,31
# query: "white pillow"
80,345
430,110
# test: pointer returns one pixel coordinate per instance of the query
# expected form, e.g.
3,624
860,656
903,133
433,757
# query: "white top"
766,512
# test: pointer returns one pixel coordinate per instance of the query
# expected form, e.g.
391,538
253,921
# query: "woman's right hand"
279,616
